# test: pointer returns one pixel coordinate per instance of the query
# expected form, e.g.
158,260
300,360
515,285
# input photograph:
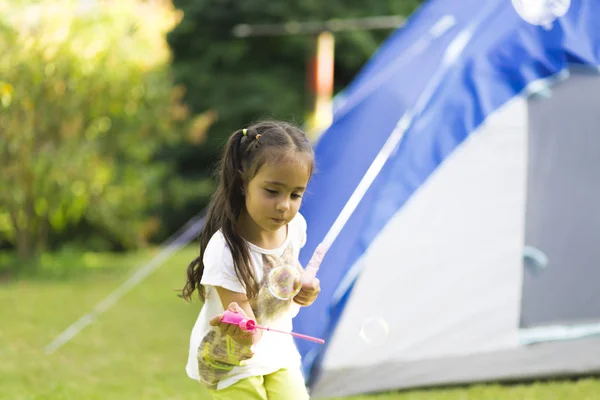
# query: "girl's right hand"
235,332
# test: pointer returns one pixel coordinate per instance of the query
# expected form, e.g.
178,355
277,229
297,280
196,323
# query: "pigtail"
232,167
224,209
194,273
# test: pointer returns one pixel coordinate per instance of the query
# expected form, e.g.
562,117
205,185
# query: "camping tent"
473,255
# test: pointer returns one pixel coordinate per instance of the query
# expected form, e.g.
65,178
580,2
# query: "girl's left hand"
240,336
311,287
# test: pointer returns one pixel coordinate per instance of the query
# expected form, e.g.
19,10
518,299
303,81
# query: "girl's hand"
311,287
235,332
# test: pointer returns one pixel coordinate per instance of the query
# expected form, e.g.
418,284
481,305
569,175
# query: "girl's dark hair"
245,152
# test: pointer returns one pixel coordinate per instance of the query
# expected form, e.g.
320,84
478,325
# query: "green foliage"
86,102
242,80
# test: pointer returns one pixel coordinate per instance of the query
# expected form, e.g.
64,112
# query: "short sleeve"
218,265
301,230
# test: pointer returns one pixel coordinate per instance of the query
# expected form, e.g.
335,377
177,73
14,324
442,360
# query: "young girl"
252,226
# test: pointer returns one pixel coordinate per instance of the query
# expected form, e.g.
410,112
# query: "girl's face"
274,195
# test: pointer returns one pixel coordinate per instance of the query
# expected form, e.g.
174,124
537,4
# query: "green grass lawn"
138,348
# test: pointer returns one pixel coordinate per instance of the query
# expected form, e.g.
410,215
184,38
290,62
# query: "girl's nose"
283,206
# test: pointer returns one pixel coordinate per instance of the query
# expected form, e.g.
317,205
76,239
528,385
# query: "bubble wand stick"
249,325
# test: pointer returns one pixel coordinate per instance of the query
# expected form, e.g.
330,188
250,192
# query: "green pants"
280,385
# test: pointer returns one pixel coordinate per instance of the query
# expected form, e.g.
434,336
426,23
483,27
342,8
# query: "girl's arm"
236,302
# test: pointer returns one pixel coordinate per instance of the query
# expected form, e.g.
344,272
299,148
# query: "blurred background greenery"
112,113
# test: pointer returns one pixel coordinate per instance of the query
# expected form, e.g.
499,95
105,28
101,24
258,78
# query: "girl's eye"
271,191
296,196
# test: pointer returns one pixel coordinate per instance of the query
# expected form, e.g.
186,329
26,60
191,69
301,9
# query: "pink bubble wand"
249,325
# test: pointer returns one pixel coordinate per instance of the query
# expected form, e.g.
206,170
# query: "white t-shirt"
274,350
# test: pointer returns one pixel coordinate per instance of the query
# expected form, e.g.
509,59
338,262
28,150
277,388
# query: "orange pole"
322,85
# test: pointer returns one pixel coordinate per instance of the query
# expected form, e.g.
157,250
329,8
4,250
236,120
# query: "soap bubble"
374,331
541,12
284,282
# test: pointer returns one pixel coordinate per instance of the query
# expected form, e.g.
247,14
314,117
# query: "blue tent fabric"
502,56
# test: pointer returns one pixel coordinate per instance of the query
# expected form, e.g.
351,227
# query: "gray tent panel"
565,358
563,199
